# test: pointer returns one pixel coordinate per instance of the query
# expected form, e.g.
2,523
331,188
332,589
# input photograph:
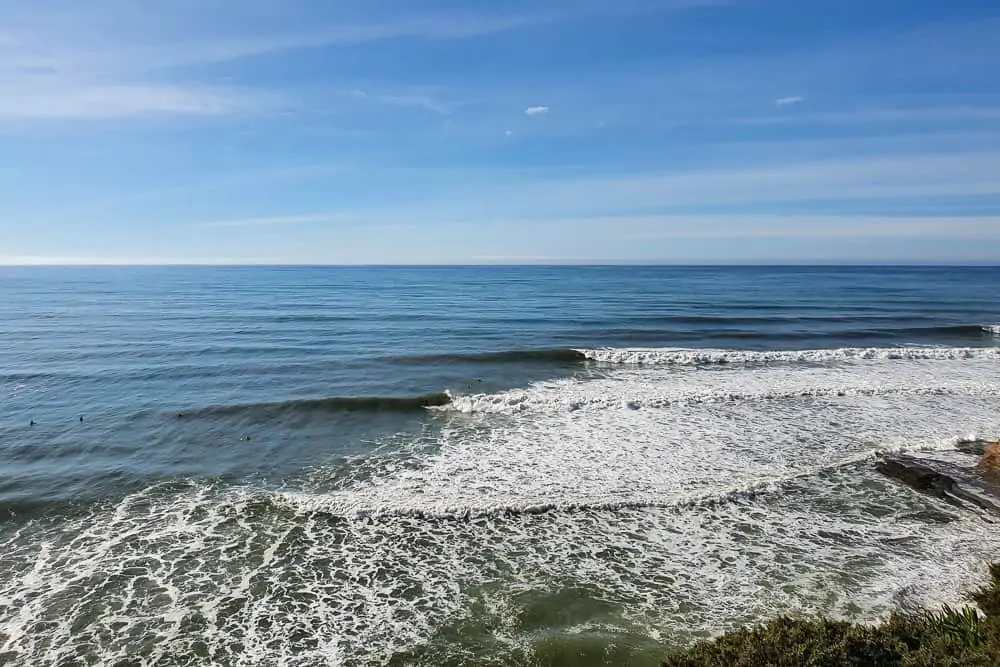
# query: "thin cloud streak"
184,53
536,111
805,226
885,177
788,101
102,101
279,220
865,116
413,101
84,261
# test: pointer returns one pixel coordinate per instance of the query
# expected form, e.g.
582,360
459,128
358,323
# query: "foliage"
964,637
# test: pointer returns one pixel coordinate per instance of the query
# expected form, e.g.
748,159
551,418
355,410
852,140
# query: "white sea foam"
666,457
252,583
688,356
636,388
992,329
735,493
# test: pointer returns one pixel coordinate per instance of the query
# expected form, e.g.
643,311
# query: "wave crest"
333,404
697,357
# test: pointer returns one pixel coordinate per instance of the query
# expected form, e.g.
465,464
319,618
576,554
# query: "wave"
313,504
333,404
683,355
343,505
696,357
956,330
522,401
506,356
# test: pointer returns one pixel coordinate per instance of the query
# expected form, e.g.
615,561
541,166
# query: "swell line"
505,356
332,404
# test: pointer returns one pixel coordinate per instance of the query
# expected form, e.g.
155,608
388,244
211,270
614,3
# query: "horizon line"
552,264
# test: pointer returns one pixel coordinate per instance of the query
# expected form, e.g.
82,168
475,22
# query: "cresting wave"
517,400
506,356
693,357
333,404
680,355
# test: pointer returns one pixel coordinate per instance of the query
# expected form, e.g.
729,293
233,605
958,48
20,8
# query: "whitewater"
677,492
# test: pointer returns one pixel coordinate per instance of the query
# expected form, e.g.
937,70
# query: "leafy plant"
949,637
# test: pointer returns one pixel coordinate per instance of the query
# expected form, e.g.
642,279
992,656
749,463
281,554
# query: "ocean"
475,465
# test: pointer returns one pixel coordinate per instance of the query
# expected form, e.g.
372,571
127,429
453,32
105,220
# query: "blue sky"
433,131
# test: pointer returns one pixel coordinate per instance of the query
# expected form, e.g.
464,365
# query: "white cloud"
508,133
788,101
535,111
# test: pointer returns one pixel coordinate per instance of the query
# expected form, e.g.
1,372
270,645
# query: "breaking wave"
691,357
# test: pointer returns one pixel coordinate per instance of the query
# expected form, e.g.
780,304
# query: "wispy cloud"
100,62
99,101
413,101
803,226
788,101
537,110
789,183
934,114
71,260
527,259
310,219
149,45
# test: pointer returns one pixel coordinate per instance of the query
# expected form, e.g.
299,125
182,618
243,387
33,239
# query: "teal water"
324,466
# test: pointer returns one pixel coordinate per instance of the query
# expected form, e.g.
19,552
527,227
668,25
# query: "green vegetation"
950,637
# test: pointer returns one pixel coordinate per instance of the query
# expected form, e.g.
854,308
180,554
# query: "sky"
544,131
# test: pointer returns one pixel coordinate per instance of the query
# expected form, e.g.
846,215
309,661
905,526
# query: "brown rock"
989,465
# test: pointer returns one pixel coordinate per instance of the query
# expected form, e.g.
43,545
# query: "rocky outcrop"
937,479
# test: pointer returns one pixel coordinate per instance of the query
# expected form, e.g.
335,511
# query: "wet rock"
989,465
974,447
919,475
931,516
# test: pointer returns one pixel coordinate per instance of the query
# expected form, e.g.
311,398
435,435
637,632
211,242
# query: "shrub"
945,638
